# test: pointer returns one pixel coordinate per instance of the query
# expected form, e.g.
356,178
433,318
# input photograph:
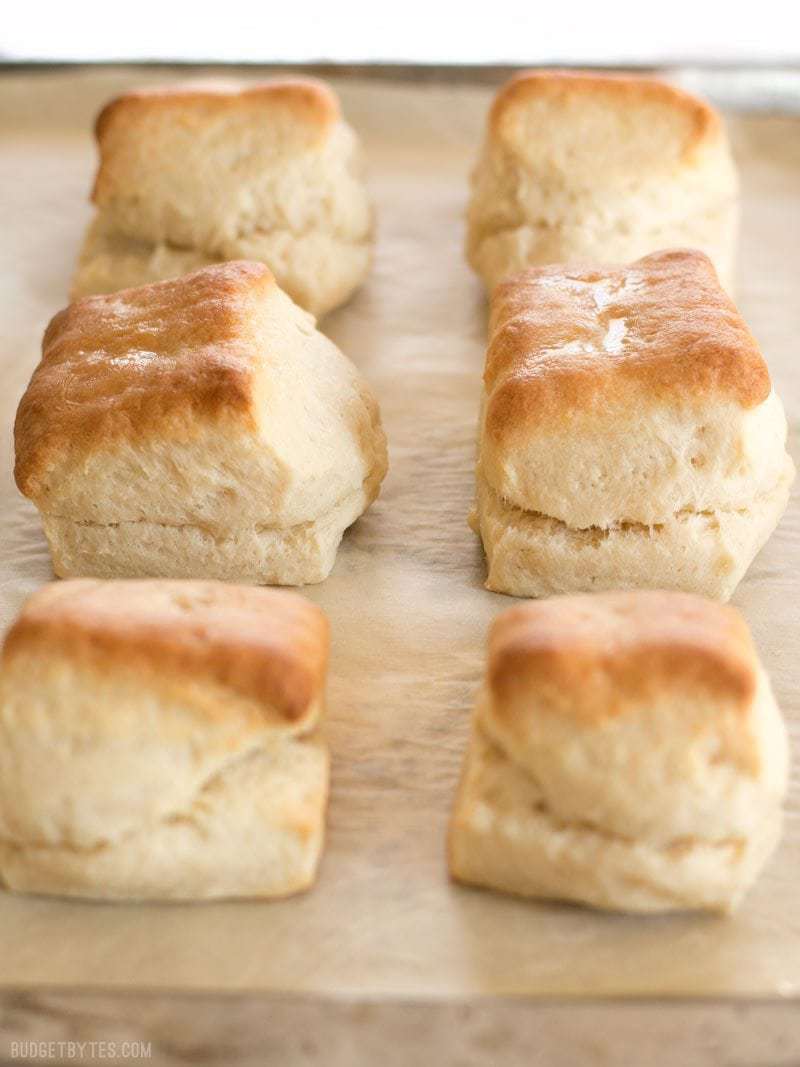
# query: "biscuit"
160,740
627,753
197,428
579,167
198,174
629,433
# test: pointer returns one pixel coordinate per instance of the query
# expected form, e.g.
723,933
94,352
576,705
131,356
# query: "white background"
491,31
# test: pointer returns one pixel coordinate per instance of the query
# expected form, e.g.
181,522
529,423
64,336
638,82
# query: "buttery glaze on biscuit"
549,326
149,361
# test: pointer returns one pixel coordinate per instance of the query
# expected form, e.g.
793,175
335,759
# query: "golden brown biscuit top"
568,90
659,332
267,646
306,100
151,360
597,656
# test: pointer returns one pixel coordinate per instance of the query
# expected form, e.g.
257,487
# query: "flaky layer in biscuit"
318,270
260,555
531,554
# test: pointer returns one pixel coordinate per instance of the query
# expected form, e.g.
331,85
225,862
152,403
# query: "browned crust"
625,91
312,105
265,645
684,343
602,655
313,101
162,358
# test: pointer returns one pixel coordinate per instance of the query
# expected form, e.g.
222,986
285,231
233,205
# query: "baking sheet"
406,603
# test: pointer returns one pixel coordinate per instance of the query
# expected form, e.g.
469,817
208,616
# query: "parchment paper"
406,602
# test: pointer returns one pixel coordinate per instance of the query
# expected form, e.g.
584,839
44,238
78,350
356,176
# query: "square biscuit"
196,174
629,432
580,166
627,753
160,740
197,428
